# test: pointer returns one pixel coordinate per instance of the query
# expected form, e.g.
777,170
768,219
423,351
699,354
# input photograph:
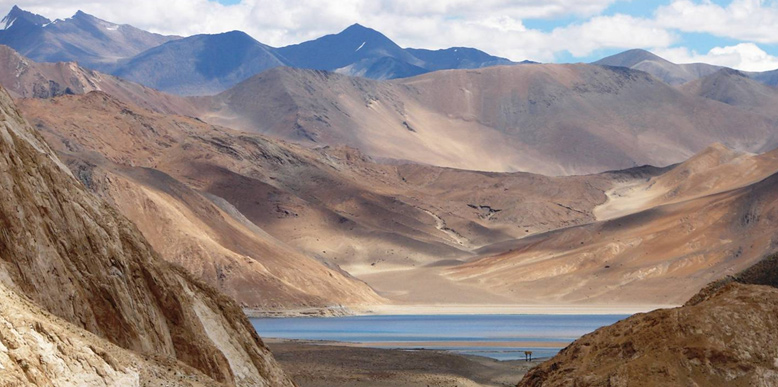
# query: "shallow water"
503,337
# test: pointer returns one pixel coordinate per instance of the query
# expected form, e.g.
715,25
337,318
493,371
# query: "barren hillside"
226,204
550,119
25,78
706,218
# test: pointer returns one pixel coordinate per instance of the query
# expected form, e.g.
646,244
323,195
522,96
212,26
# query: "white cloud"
618,31
743,56
747,20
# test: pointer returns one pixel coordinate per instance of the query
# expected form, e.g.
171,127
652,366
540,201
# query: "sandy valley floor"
311,364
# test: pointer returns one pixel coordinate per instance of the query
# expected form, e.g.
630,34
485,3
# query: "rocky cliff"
80,260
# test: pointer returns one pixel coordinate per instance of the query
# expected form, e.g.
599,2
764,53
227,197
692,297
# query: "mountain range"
550,119
348,174
190,170
200,64
83,38
447,118
672,73
247,212
208,64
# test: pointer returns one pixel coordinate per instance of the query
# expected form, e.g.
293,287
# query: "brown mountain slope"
332,203
169,174
80,260
379,118
672,73
716,169
728,339
716,338
588,118
735,88
688,237
25,78
551,119
187,225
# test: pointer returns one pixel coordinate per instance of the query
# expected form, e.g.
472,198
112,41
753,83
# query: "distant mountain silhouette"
200,64
82,38
208,64
353,45
365,52
674,74
22,17
457,58
767,77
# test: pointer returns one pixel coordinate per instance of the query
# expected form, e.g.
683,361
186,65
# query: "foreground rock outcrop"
80,260
724,336
37,348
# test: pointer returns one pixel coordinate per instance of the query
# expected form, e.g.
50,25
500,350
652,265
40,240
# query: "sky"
741,34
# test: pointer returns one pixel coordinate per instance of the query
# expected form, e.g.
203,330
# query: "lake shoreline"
503,337
454,309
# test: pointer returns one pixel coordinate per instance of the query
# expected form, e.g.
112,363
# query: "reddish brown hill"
25,78
131,162
726,340
708,217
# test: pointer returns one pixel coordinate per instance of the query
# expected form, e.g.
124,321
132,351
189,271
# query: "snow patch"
8,23
360,46
112,27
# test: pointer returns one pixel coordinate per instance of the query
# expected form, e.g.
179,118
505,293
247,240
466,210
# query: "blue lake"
503,337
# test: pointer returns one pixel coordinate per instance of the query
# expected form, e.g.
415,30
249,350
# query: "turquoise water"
389,331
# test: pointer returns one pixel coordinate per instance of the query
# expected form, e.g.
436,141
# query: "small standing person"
528,355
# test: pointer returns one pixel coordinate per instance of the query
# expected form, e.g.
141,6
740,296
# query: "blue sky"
741,34
696,41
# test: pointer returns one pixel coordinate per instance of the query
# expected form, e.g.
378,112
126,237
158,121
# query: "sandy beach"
325,364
